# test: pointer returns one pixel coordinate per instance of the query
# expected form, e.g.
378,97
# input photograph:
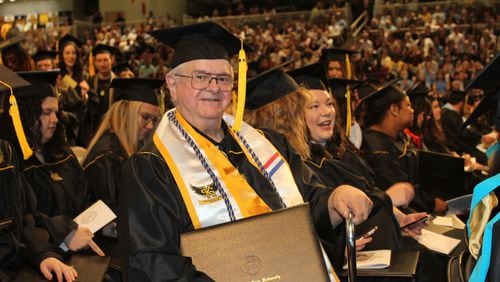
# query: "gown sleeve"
315,192
103,176
153,215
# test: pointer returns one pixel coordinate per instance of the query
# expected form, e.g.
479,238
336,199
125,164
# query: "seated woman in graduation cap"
308,132
54,172
73,86
125,128
390,152
31,235
276,95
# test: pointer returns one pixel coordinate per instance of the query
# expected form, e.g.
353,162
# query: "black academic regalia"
102,168
354,170
335,172
32,236
59,184
464,141
395,161
352,159
155,214
74,111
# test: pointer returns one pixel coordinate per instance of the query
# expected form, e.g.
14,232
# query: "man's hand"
81,238
61,270
347,198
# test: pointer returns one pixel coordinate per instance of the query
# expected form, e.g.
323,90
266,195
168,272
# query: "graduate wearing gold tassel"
242,86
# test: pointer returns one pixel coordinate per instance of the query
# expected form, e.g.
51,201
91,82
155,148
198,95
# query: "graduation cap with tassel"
8,82
210,41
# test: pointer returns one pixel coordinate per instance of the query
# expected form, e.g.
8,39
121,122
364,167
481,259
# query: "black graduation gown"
74,111
351,158
390,165
464,141
154,214
354,170
102,168
59,184
32,236
97,105
334,172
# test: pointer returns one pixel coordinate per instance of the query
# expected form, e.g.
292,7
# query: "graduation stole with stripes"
212,189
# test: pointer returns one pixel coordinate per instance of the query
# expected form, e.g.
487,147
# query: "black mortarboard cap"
122,67
268,87
44,54
339,86
311,77
137,89
10,42
15,82
335,54
365,89
487,80
418,90
102,48
42,84
206,40
456,96
11,79
69,38
386,94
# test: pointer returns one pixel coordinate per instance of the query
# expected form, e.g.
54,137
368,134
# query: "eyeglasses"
148,118
200,81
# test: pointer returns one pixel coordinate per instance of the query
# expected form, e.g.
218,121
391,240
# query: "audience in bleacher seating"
441,47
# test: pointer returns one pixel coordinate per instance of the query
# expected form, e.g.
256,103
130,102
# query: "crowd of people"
151,105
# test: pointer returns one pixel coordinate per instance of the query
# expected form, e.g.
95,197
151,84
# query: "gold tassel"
242,88
234,101
1,62
348,97
18,126
91,65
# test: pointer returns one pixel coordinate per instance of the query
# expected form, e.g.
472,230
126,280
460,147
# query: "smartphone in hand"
413,224
369,233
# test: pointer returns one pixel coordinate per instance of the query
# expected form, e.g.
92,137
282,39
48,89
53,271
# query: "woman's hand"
360,244
414,230
62,271
440,206
84,89
82,238
401,194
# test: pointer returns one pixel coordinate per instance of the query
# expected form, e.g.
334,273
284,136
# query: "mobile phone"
411,224
369,233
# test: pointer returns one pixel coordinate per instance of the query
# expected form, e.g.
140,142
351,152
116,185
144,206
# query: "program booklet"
437,242
372,259
95,217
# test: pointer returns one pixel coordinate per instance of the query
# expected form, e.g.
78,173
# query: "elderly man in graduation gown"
199,171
